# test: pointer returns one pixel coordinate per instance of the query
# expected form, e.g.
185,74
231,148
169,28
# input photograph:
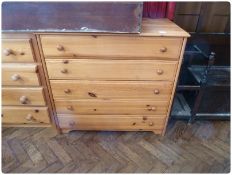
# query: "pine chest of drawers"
25,100
114,81
99,81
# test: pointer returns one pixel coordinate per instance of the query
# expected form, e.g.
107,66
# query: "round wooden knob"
15,77
72,124
60,47
163,49
23,99
156,91
160,71
70,108
151,108
7,52
30,117
65,61
22,53
64,71
67,91
151,124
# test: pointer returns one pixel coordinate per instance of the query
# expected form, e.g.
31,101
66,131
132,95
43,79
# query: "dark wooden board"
117,17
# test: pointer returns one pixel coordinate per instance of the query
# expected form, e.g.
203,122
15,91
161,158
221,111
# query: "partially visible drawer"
21,115
112,122
17,50
22,96
111,107
111,69
19,74
111,46
80,89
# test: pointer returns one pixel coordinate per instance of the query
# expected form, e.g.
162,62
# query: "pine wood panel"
161,27
17,50
19,74
13,95
111,122
111,69
24,115
80,89
106,46
111,106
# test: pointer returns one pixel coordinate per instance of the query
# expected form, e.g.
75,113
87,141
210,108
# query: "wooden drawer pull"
151,124
67,91
7,52
22,53
29,117
151,108
60,47
156,91
65,61
160,71
64,71
15,77
163,49
23,99
70,108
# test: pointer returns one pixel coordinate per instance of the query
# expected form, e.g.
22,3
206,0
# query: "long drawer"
111,107
21,115
22,96
111,69
111,46
80,89
19,74
112,122
17,50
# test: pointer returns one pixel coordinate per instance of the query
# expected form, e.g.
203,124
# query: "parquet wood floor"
203,147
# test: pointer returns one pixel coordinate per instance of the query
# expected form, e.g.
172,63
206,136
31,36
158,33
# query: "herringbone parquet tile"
203,147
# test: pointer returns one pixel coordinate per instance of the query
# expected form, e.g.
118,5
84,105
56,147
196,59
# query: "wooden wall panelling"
187,15
188,8
214,17
187,22
203,17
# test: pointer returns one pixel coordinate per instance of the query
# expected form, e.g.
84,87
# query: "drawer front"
111,46
69,89
16,50
112,122
111,107
24,115
20,75
111,69
22,96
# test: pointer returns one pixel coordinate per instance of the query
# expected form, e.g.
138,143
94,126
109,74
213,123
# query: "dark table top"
116,17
